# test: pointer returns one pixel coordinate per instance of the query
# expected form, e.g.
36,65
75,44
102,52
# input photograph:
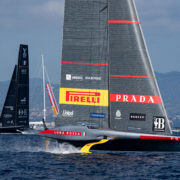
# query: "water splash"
34,143
54,148
63,149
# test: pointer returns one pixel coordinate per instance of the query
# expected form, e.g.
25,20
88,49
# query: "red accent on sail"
149,77
52,99
80,63
124,21
129,98
167,138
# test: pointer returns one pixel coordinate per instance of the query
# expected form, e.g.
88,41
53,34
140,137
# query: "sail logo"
98,115
129,98
159,124
24,53
7,115
89,97
66,113
11,108
137,116
70,77
23,101
118,114
22,113
23,71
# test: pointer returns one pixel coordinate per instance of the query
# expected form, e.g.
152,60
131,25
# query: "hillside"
169,84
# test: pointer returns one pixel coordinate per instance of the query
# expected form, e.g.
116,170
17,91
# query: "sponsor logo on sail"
23,71
67,113
98,115
22,113
11,108
70,77
7,115
93,78
23,101
9,122
90,97
137,116
129,98
118,114
24,53
159,124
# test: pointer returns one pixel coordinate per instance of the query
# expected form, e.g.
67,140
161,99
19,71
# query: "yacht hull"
110,140
13,129
131,145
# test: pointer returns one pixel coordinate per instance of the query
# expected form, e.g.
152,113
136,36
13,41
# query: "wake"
34,145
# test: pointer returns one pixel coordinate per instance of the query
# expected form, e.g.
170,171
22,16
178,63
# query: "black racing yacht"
15,113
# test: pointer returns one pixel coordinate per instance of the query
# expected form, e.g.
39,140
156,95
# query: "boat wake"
63,149
53,149
32,143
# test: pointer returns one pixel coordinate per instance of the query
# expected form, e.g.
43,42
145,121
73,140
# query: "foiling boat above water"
15,112
109,97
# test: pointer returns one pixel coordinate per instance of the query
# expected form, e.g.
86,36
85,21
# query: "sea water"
27,157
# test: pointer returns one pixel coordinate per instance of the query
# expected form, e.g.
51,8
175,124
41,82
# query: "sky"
39,24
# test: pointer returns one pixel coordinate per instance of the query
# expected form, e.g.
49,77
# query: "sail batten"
124,21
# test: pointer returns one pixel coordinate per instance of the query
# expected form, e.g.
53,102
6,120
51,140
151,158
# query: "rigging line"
108,60
91,62
35,88
50,84
104,45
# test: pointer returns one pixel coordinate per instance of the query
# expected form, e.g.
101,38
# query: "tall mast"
44,97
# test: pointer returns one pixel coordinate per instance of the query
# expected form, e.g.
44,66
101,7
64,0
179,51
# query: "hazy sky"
38,23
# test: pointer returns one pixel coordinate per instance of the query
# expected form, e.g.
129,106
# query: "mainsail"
16,107
84,65
23,87
107,80
8,112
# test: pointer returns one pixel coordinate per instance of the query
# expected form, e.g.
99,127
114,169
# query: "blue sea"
25,157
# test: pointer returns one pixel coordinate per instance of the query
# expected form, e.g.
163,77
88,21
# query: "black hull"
131,145
14,129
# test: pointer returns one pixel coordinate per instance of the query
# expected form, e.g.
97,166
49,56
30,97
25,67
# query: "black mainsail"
22,113
108,89
8,111
15,112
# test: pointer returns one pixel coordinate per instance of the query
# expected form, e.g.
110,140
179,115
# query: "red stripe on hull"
148,77
166,138
79,63
123,22
65,133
